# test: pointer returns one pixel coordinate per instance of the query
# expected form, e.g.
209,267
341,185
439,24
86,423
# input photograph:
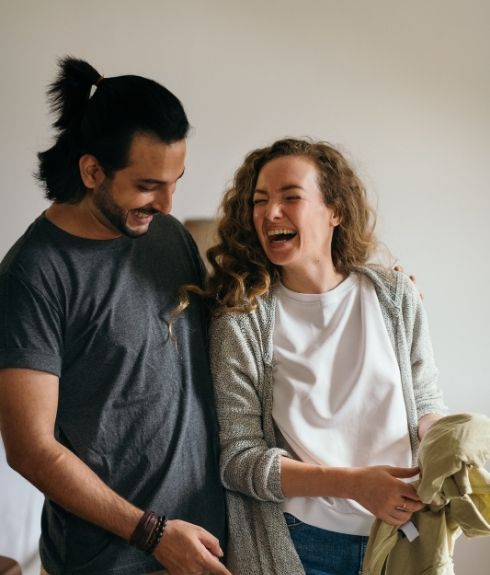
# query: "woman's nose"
273,211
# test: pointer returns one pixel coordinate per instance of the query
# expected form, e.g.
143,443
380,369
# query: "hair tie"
95,85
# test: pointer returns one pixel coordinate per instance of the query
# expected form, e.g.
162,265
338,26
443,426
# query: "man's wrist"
148,532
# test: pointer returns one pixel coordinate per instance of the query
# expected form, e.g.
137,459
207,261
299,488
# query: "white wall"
403,87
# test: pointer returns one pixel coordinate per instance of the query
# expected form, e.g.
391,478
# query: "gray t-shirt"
135,402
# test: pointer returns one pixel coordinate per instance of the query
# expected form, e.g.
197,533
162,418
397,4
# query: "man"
106,401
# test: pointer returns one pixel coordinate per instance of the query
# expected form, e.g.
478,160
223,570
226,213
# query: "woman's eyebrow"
285,188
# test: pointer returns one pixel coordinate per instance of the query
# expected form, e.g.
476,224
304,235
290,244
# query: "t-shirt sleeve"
30,327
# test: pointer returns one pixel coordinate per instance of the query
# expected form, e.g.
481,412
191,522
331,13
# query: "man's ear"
91,171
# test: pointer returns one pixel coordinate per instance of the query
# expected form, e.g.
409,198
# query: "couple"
322,367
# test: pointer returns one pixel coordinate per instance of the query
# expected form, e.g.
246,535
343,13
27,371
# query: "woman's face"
293,224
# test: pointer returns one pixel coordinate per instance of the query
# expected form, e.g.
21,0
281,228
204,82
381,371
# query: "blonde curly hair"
240,270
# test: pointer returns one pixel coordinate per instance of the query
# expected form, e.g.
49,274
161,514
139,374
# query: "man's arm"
28,405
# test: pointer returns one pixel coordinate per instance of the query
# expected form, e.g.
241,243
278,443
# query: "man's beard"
104,202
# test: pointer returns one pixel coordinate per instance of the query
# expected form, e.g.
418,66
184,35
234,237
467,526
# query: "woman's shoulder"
391,286
259,317
248,334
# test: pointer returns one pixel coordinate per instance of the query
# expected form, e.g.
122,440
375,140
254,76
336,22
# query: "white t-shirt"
337,396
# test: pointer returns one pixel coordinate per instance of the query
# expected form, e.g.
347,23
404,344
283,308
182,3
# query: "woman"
324,374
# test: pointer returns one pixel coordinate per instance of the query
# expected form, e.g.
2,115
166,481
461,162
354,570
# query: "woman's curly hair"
241,271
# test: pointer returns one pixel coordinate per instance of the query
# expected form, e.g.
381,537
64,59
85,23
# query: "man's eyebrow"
156,181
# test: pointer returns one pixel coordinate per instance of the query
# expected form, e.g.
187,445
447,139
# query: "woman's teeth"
280,234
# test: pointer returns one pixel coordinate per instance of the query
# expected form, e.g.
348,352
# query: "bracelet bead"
148,532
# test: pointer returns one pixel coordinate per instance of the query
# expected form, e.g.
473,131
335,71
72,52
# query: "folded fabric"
456,489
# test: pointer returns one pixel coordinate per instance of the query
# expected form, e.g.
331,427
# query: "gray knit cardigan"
242,362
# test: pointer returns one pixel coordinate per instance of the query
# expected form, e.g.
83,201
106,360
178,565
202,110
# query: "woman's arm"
379,489
425,375
247,463
426,422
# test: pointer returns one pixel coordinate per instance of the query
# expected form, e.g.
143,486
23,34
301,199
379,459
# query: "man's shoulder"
168,224
28,250
169,239
167,228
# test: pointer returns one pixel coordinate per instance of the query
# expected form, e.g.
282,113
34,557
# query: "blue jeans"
325,552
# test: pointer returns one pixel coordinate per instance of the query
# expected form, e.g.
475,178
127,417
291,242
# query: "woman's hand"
379,488
381,492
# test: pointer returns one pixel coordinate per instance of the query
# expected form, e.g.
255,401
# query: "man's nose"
163,199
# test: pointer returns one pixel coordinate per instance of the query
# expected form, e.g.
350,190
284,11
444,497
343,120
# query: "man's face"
127,202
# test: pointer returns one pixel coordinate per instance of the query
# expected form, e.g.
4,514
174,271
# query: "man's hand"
187,549
399,268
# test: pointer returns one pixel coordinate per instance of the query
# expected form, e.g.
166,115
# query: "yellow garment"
457,489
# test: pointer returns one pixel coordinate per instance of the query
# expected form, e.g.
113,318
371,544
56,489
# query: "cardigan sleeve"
425,374
247,463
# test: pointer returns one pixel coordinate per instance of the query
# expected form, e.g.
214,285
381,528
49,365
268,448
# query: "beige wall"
403,86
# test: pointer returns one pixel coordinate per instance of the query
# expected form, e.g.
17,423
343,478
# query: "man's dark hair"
102,124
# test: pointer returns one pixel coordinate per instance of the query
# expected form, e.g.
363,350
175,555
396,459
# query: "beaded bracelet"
148,532
156,535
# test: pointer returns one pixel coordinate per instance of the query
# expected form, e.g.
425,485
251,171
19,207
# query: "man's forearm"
70,483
